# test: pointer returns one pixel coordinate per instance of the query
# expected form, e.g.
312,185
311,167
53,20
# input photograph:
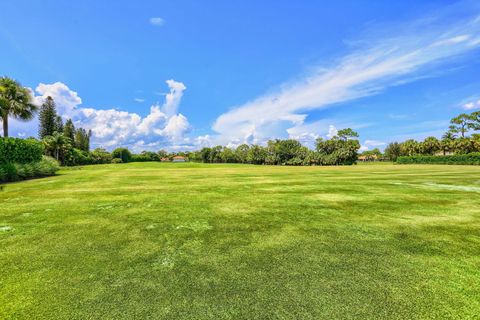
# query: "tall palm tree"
15,101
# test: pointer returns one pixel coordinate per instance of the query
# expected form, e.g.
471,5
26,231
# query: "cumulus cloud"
388,60
162,127
157,21
66,100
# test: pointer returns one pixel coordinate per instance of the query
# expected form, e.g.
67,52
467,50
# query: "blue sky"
180,75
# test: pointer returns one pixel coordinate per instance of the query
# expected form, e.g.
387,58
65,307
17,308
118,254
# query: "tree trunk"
5,126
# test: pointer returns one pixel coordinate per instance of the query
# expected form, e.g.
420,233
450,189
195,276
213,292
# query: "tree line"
338,150
71,146
460,138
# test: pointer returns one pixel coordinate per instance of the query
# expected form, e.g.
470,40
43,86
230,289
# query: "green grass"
195,241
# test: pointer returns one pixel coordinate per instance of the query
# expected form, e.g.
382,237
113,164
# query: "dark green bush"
20,171
468,159
140,158
14,150
122,153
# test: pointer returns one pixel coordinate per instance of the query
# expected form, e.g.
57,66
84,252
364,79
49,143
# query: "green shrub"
8,172
467,159
122,153
20,171
14,150
140,158
117,160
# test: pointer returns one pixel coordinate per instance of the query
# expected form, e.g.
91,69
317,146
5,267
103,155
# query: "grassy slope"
192,241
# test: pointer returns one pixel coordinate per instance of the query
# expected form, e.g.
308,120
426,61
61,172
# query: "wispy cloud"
139,100
471,105
157,21
376,63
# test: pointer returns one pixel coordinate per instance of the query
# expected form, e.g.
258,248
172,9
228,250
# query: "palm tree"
54,144
15,101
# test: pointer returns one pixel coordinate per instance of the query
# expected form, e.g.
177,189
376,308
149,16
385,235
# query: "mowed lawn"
198,241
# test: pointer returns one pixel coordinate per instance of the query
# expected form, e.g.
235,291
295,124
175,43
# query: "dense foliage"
470,159
339,150
46,166
123,154
14,150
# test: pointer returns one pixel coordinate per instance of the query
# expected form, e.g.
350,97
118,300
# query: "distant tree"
283,151
430,146
123,154
82,139
69,130
461,124
463,145
151,156
162,154
338,150
100,155
15,102
48,122
393,151
241,153
56,145
215,154
475,121
410,147
205,154
256,155
346,134
228,155
59,124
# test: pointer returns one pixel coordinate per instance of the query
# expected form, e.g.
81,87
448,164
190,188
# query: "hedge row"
20,171
470,159
14,150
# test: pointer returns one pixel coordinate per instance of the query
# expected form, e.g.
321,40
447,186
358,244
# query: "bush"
140,158
8,172
20,171
123,154
14,150
117,160
100,156
468,159
77,157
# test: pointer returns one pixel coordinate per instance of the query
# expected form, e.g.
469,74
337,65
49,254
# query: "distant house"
444,153
370,157
179,159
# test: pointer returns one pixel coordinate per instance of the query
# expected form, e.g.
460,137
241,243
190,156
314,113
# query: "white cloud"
163,127
472,105
374,143
139,100
66,100
157,21
388,60
367,144
176,126
332,131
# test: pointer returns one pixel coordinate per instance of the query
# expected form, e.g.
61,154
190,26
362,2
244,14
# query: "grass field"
195,241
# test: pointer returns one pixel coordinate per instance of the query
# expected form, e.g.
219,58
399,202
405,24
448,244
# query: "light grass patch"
6,228
439,186
332,197
196,226
452,187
